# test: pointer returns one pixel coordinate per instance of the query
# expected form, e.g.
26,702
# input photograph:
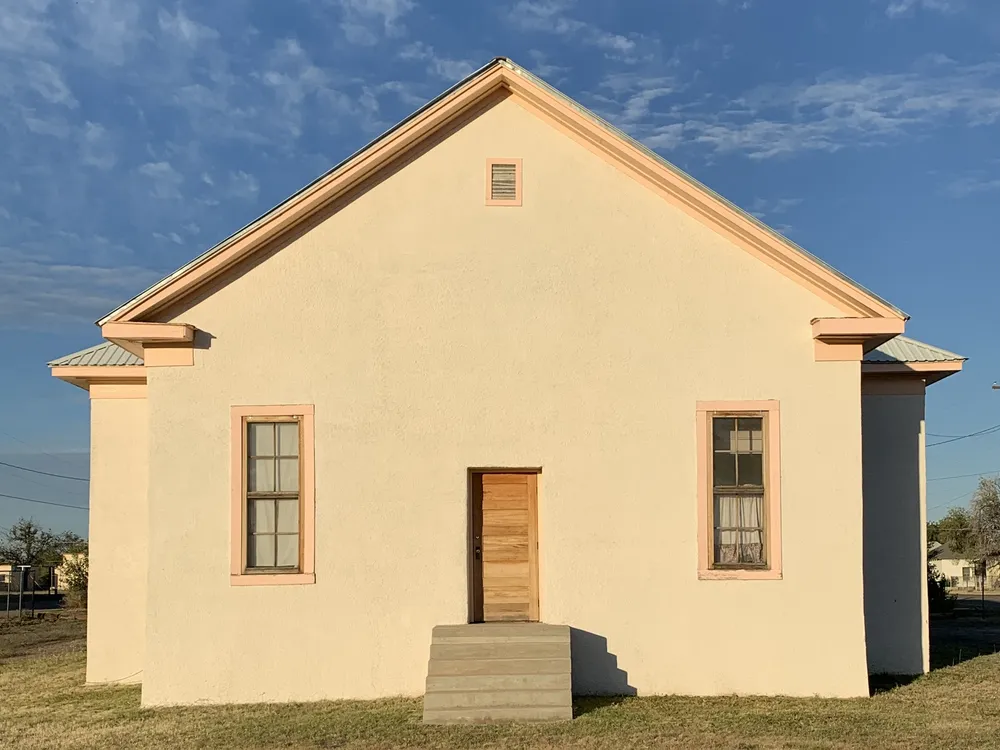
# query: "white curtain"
739,529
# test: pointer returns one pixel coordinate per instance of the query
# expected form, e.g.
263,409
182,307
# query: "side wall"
433,334
116,615
896,618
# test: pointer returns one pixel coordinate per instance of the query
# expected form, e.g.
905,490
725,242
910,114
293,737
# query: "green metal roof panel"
903,349
107,354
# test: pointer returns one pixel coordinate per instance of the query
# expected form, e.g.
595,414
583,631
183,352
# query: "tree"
75,575
985,518
955,530
27,543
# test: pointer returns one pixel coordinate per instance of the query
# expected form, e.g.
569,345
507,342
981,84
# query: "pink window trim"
704,409
517,182
237,574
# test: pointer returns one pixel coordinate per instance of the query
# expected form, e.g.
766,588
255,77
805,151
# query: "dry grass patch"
47,706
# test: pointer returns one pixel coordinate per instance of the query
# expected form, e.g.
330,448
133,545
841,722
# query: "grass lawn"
45,705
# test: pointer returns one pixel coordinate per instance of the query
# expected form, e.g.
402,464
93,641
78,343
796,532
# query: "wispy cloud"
443,67
555,17
901,8
366,21
767,208
833,112
971,184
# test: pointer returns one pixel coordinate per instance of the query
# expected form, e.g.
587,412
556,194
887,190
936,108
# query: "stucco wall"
116,614
434,334
896,623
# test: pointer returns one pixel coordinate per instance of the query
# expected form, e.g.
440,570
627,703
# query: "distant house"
958,571
505,365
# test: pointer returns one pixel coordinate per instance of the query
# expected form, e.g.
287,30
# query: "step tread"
476,667
492,714
500,628
500,682
448,699
454,651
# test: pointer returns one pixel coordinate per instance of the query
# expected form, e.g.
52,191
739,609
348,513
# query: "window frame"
240,418
518,194
706,411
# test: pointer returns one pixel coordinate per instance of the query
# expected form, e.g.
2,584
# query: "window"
966,575
739,490
273,503
503,182
273,494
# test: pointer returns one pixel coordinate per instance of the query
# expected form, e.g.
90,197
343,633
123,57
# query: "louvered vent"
503,182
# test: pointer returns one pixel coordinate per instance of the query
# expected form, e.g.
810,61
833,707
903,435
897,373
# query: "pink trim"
168,355
307,489
490,201
85,376
117,390
703,409
276,579
149,333
823,328
927,372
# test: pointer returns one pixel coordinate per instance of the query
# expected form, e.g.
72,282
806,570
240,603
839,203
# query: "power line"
44,473
956,438
964,476
45,502
44,453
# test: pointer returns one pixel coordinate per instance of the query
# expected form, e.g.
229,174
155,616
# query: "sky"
137,134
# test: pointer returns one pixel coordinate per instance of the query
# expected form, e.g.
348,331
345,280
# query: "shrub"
75,575
938,598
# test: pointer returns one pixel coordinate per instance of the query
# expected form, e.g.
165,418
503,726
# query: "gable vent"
503,182
504,185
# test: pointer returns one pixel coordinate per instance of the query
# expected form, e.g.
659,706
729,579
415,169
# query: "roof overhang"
839,339
102,380
929,372
159,344
502,77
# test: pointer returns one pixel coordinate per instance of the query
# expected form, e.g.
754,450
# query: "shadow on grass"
585,704
884,683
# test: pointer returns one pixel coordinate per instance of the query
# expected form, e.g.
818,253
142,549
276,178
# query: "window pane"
727,511
261,477
751,469
261,552
288,516
748,424
751,550
724,470
722,433
726,547
288,438
262,518
261,438
288,550
751,511
288,474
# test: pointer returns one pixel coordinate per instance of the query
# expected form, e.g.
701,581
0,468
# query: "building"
504,363
958,571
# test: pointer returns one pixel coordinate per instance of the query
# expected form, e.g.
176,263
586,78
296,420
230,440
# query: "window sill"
748,574
272,579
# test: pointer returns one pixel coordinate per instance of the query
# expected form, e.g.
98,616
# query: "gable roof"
577,122
107,354
904,349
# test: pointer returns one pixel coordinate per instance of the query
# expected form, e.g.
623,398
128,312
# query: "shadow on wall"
595,669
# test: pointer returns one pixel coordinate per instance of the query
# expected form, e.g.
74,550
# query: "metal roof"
107,354
903,349
515,68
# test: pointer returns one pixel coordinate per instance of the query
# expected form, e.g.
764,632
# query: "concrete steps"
498,672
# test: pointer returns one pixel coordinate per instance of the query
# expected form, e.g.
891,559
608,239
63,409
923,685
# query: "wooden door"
504,547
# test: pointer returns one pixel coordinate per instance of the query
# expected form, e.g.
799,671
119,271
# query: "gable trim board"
502,75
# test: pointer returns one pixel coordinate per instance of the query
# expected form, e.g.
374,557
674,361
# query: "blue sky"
136,134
